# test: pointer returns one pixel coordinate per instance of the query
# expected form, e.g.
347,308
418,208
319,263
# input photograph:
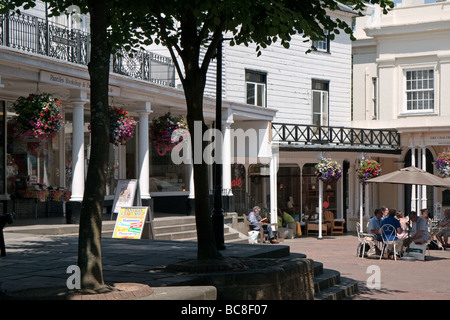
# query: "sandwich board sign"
125,193
130,222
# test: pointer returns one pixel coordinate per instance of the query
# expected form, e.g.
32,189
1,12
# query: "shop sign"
130,222
72,82
237,182
438,139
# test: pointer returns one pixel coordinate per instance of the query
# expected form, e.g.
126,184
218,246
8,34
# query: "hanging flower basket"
442,164
162,130
38,116
368,169
328,170
121,126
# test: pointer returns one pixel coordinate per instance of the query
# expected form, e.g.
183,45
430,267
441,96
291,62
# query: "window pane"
419,90
260,96
257,77
250,93
316,102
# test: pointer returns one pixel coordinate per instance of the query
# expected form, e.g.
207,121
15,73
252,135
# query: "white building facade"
312,94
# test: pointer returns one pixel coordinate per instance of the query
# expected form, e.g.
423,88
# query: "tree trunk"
89,247
206,245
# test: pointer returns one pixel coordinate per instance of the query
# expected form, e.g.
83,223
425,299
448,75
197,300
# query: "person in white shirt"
419,230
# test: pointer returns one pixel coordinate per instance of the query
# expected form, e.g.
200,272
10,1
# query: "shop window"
112,173
165,175
259,176
310,193
288,193
31,163
238,187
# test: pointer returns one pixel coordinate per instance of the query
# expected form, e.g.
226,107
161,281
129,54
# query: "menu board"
130,222
125,192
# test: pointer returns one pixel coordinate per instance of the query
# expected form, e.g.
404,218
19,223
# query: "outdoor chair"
333,225
389,238
364,238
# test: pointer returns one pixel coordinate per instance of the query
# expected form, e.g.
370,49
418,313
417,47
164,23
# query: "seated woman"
403,223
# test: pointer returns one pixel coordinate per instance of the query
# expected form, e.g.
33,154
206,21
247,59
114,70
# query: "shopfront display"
310,193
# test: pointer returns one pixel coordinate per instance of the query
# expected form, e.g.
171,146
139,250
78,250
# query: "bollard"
4,219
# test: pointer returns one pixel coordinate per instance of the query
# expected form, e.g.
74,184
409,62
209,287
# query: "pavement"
36,262
385,280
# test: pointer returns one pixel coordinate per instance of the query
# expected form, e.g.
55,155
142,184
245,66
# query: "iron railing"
336,136
39,36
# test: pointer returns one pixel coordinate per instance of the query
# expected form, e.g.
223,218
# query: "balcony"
309,137
39,36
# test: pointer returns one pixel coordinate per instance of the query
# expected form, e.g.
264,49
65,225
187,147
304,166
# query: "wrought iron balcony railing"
39,36
383,139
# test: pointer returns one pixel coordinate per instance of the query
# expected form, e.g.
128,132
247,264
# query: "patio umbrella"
412,175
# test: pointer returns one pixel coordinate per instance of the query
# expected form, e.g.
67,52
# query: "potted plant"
328,170
162,130
368,169
38,116
442,164
121,126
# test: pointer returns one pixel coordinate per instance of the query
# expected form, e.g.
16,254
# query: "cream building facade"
400,80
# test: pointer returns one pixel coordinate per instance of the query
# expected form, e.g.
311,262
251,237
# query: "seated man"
445,225
375,224
393,221
254,217
419,230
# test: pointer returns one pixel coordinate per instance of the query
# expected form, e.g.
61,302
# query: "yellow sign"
130,222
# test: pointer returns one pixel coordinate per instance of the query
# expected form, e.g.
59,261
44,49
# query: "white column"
352,190
191,182
361,207
273,185
144,157
413,187
424,167
320,208
226,158
367,201
78,99
400,190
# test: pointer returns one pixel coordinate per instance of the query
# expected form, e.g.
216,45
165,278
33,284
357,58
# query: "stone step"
329,285
230,235
327,279
345,288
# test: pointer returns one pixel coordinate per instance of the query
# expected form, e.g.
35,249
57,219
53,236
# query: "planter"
121,126
167,131
38,116
328,170
368,169
442,164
